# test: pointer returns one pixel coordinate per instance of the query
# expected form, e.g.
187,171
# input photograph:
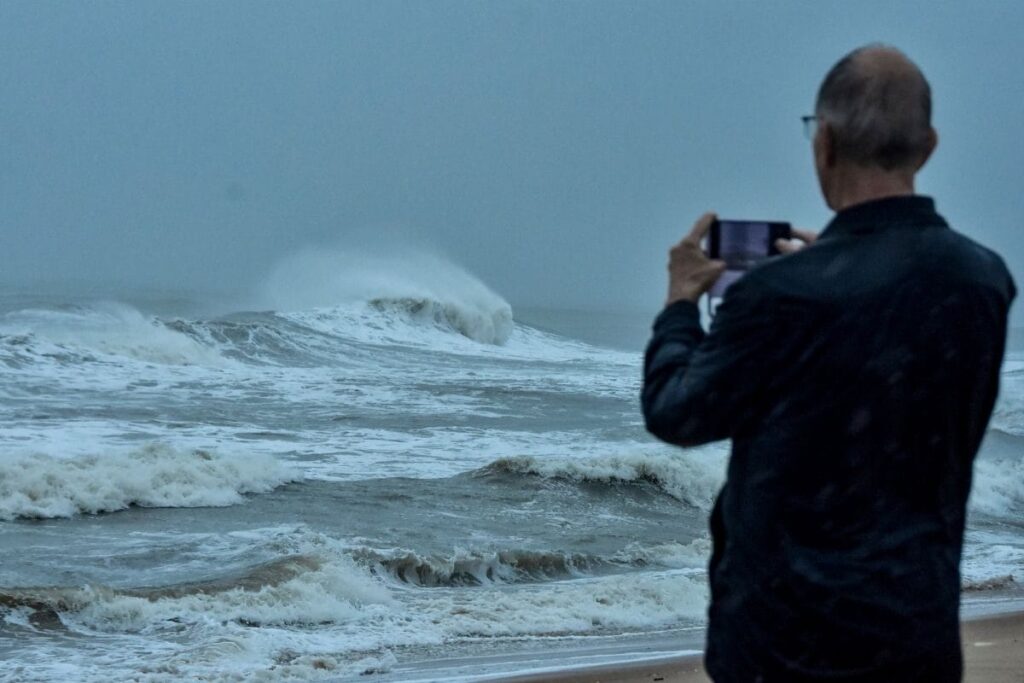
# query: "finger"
807,236
700,228
787,246
712,272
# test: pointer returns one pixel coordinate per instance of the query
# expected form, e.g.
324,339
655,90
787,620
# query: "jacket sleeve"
698,387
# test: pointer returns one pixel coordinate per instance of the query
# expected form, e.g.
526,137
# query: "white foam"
998,487
38,485
335,592
692,555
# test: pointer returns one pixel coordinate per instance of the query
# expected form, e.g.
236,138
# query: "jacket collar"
881,214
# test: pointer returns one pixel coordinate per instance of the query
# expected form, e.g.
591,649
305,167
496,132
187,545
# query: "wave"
489,326
692,476
292,590
994,583
475,568
330,588
426,323
480,568
42,486
424,288
78,334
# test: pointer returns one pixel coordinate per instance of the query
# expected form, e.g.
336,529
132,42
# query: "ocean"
406,482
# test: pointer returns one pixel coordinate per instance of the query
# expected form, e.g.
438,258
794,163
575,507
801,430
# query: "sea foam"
42,486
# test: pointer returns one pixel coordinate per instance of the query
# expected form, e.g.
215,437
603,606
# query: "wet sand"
993,653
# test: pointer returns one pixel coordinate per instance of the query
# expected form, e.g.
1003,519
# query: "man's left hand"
690,272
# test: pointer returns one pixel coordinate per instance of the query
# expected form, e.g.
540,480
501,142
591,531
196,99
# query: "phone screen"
742,245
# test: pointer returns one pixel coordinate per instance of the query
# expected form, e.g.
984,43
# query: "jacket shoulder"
970,259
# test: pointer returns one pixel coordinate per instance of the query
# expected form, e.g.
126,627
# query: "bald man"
855,378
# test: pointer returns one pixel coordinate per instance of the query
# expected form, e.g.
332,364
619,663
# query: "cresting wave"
692,476
291,590
423,287
480,568
42,486
90,333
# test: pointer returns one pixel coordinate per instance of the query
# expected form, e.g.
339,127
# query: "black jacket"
855,379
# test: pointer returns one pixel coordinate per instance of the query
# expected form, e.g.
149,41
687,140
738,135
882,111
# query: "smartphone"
742,245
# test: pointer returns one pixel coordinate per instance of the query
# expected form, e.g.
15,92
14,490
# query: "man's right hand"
690,271
799,240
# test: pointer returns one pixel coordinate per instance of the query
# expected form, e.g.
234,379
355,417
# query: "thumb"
787,246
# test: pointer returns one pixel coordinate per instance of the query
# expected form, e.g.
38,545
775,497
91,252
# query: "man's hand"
800,239
690,271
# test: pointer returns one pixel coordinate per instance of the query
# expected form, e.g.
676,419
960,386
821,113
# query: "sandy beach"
993,653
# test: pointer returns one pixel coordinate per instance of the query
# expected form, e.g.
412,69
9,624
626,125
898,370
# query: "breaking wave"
480,568
317,591
42,486
420,287
83,334
692,476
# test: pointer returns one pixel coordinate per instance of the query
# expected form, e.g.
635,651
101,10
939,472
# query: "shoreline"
993,647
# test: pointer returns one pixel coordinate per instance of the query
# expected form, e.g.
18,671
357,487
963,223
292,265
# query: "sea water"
382,475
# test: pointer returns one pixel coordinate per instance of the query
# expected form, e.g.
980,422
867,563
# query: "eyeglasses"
810,125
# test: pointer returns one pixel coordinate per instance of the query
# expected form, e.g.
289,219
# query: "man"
855,378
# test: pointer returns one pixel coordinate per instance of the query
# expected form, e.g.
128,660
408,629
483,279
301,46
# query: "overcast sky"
555,149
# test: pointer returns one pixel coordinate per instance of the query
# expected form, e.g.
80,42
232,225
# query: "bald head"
878,106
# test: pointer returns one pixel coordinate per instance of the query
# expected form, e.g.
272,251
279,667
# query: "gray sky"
554,149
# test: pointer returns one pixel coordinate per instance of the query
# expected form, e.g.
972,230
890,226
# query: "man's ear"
932,143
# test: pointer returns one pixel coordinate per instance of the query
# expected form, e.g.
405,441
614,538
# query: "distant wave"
486,326
422,286
423,323
86,333
41,486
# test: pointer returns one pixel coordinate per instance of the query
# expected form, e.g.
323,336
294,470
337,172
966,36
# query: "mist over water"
556,149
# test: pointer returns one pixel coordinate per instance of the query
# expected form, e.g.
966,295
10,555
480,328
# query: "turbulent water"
362,484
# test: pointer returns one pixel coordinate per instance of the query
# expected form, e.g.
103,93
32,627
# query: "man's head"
874,122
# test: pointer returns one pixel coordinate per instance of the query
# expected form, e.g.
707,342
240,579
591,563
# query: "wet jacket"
855,379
